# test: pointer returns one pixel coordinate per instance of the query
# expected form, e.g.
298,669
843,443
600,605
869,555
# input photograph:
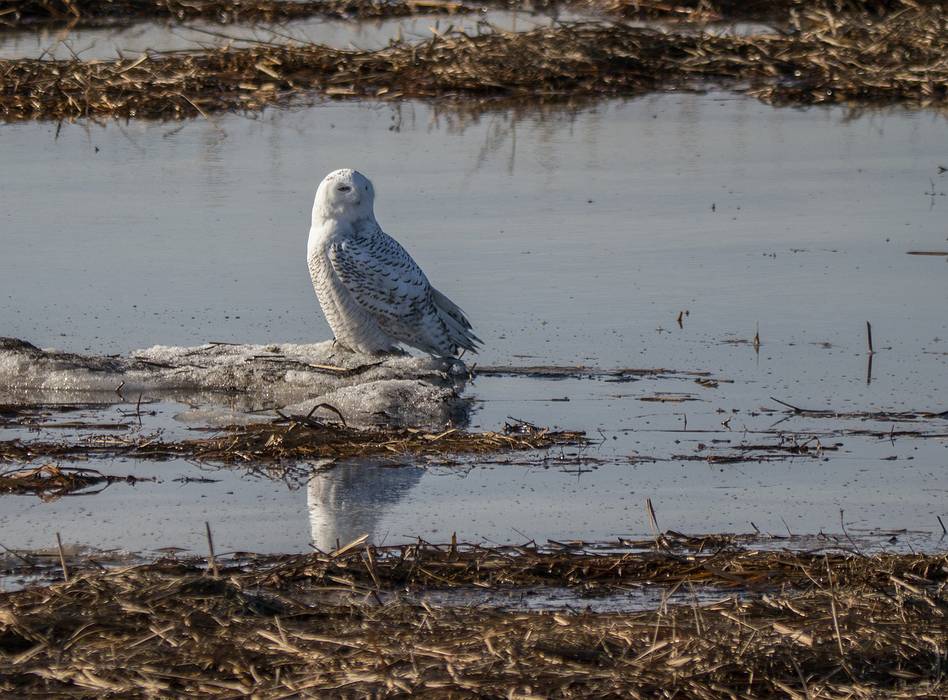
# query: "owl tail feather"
459,328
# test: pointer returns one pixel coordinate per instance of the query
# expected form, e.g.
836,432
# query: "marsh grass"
781,624
52,481
295,439
826,58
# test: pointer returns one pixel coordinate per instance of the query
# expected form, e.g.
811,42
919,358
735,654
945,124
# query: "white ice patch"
366,389
387,402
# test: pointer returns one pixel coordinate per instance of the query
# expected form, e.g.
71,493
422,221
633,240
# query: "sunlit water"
156,36
131,41
570,237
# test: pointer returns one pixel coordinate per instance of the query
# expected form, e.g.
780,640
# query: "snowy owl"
372,293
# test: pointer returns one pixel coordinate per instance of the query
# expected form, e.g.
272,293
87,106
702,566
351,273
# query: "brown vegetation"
298,438
830,59
335,624
50,481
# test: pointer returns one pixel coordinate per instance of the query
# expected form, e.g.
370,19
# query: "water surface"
570,237
157,36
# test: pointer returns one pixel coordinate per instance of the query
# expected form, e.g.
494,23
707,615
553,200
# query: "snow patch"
366,389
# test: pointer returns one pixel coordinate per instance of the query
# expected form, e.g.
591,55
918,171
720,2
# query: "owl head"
344,194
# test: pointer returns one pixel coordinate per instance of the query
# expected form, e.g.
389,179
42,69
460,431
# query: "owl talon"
336,342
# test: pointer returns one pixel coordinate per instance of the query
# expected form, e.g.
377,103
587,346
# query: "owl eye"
343,188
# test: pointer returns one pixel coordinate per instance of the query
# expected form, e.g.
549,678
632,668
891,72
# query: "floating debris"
863,415
300,438
785,448
621,374
51,482
669,397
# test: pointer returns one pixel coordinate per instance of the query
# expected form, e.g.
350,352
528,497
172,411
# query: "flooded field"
572,237
701,452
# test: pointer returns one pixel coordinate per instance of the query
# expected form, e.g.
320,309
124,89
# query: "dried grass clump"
780,12
832,58
171,630
51,481
301,439
298,440
602,568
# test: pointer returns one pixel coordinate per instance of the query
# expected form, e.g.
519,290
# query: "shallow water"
133,40
157,36
571,237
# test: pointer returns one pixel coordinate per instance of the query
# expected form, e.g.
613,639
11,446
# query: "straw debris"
827,58
301,438
778,12
673,559
856,628
51,482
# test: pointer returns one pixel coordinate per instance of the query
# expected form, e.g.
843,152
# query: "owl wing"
386,282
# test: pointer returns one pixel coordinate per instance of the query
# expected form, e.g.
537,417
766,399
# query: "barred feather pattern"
374,295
